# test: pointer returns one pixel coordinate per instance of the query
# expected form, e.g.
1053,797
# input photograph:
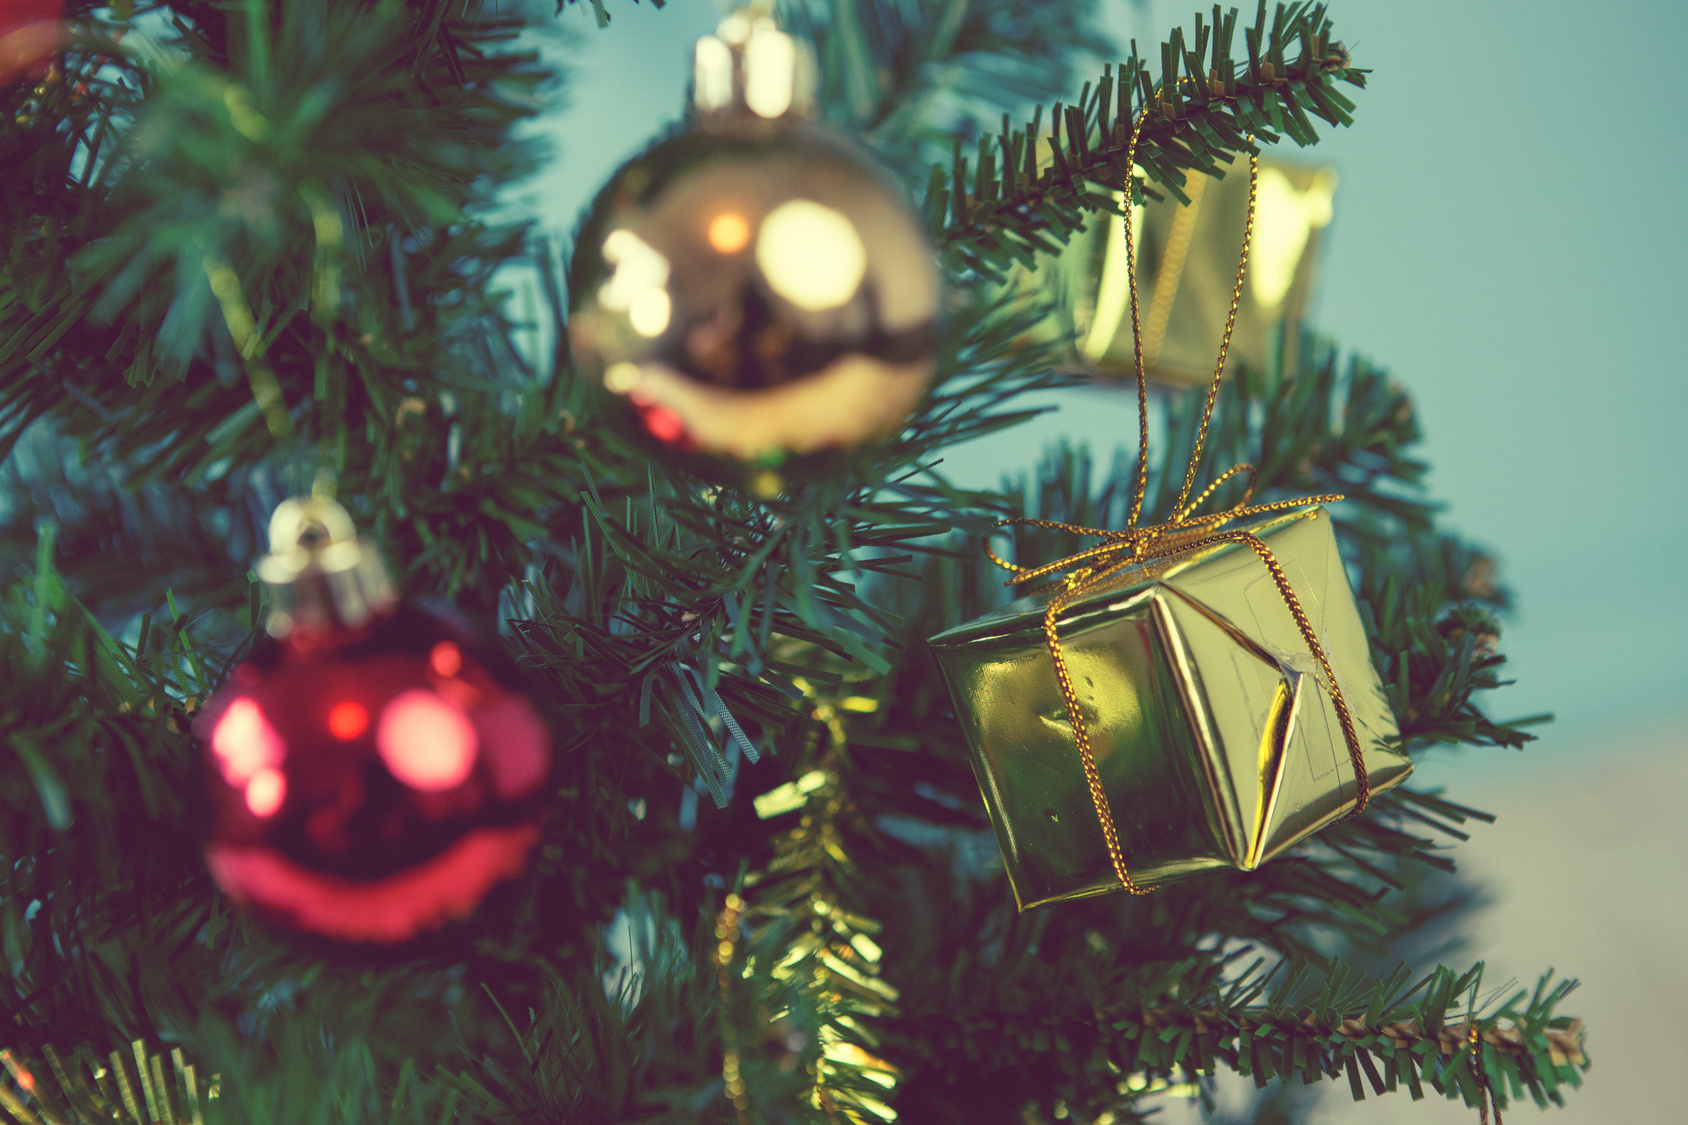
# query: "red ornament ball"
30,35
370,785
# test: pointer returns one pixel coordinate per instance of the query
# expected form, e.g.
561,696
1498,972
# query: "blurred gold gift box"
1186,266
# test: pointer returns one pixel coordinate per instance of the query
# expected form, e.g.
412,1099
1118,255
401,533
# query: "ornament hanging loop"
320,574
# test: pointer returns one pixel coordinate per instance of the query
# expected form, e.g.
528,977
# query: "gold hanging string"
1485,1093
1142,482
1184,533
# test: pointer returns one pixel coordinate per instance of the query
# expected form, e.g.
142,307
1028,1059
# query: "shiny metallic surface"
319,572
752,291
1186,263
1216,742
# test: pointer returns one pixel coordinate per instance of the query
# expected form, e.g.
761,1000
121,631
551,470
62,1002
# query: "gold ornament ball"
753,294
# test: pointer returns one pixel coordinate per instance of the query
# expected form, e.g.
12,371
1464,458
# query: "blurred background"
1508,239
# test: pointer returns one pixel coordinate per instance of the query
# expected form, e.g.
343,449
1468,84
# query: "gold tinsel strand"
726,938
838,949
159,1091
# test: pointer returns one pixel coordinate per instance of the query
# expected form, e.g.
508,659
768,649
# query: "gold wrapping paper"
1216,742
1185,268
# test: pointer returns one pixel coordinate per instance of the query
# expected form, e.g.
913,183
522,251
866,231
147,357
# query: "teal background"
1510,239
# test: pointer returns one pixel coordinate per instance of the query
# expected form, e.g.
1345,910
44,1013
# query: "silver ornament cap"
750,71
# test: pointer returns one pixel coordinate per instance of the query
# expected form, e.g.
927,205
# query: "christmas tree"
256,250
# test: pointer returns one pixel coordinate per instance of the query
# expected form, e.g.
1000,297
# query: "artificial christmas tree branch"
226,211
809,884
1383,1034
1008,203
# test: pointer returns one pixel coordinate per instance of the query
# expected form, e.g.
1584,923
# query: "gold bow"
1184,533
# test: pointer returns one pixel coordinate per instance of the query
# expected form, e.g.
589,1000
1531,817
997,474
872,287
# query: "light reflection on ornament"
265,792
244,742
650,311
661,422
347,720
729,232
770,71
1114,292
445,659
394,909
621,378
712,73
638,287
1284,218
734,29
426,742
811,255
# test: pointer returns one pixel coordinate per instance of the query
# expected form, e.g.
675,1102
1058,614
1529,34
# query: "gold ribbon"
1480,1069
1183,534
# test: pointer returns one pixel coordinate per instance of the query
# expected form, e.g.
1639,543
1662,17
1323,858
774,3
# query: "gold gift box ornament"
1182,697
1215,741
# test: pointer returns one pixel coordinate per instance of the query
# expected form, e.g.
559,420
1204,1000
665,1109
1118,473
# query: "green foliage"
236,272
254,246
644,1045
97,757
911,76
1210,104
1000,1039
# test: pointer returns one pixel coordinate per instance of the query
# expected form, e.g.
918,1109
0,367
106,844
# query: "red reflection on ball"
445,660
347,720
664,424
426,742
392,910
244,742
265,792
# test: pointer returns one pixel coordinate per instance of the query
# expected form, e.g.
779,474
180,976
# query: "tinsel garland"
145,1089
